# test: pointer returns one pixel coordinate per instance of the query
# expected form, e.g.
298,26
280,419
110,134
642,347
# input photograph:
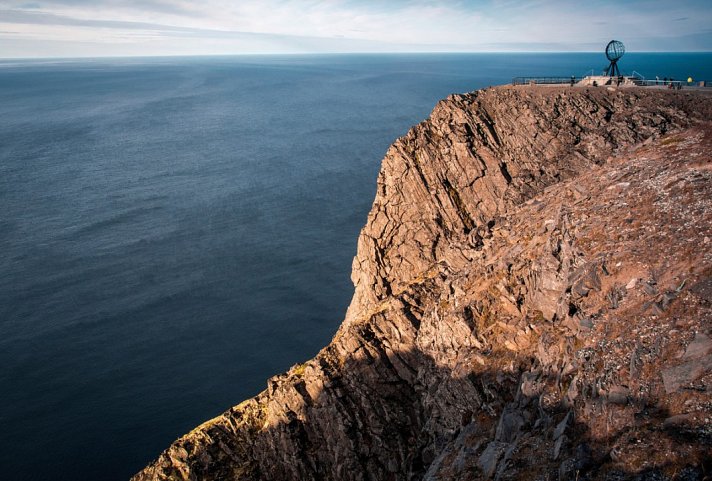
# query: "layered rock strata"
533,297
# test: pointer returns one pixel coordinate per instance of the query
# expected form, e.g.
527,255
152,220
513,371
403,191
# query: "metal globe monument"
614,51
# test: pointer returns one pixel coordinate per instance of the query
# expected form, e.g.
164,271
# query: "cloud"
157,27
178,7
40,18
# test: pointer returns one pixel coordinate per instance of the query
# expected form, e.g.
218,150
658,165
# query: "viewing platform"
614,81
612,76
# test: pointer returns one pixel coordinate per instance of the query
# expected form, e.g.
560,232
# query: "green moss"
299,370
670,141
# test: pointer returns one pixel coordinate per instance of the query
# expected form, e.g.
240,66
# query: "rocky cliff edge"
533,297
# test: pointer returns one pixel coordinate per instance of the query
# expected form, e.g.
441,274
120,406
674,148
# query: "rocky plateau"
533,301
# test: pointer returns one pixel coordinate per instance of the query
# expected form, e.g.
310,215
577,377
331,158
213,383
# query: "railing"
544,80
636,78
673,84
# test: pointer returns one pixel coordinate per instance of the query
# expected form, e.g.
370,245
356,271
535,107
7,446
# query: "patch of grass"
299,370
485,320
671,140
537,317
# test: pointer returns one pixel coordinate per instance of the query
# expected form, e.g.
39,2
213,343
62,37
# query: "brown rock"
678,376
700,346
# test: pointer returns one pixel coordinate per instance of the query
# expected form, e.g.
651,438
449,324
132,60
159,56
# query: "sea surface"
173,231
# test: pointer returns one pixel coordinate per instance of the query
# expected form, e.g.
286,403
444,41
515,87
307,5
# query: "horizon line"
295,54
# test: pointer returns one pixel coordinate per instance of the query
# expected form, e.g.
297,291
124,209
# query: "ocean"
174,231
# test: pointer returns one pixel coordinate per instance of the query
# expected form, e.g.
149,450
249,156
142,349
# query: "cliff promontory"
533,300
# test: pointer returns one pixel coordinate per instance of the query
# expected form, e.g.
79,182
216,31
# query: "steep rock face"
533,301
479,155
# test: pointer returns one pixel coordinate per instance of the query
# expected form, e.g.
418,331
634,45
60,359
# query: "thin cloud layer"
178,27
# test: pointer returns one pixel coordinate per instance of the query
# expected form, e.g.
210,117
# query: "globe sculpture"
614,51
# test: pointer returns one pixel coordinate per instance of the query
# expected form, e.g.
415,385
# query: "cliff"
533,298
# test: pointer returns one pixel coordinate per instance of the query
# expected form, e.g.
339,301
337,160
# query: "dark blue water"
175,231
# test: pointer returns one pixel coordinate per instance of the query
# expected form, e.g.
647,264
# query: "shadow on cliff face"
480,426
389,415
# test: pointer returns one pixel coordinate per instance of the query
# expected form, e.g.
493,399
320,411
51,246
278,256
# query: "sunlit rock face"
532,301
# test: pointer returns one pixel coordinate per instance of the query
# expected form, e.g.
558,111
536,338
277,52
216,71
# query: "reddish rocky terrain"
533,301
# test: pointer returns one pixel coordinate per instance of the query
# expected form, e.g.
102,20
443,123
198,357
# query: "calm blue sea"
174,231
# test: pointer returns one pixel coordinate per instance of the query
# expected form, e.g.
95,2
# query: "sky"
91,28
